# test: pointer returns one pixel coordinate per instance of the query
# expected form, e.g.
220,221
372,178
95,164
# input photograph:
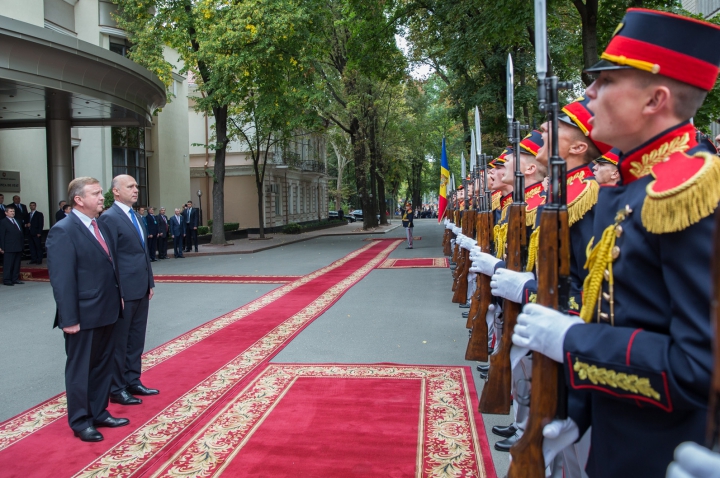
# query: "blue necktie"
137,226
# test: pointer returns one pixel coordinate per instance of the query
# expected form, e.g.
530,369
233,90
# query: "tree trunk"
381,199
358,151
588,16
218,234
416,174
261,199
371,215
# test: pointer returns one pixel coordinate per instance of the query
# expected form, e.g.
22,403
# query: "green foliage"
292,228
109,199
231,226
210,222
202,230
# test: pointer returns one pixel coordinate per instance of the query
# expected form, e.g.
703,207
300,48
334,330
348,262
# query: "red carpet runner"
338,420
196,373
40,274
437,262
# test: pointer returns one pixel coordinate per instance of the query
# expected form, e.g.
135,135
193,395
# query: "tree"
270,41
197,31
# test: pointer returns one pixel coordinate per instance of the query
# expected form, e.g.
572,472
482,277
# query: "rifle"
549,396
712,439
496,394
477,344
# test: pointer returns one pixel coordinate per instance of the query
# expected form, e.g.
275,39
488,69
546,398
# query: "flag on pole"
444,179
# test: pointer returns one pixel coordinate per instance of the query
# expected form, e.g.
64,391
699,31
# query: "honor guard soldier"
605,168
638,359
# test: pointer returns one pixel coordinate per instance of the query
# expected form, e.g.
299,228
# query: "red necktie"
99,238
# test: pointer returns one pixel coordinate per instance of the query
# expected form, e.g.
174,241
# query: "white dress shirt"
88,223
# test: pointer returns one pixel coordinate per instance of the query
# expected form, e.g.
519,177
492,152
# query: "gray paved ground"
395,315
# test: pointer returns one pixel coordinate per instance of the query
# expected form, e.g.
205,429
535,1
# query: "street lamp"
199,194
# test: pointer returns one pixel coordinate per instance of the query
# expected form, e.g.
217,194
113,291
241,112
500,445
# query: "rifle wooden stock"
546,397
495,396
461,286
477,348
712,439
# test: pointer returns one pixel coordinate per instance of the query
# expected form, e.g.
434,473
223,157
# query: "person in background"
407,222
177,230
35,225
151,225
67,209
60,213
191,216
21,212
11,245
162,236
2,206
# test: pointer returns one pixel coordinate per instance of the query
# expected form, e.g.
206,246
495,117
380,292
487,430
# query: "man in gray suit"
136,278
86,286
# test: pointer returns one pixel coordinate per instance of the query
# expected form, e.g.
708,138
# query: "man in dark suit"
11,245
2,206
86,287
162,236
191,224
136,279
21,212
151,225
60,213
36,223
177,229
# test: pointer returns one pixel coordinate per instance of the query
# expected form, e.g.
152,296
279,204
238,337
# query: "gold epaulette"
582,194
686,189
496,196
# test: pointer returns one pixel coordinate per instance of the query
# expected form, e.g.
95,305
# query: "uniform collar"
506,201
638,163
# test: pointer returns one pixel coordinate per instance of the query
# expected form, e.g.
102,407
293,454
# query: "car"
357,214
332,215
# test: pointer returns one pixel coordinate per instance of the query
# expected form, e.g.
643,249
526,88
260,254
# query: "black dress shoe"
506,432
484,375
484,369
464,306
506,444
142,390
465,315
8,283
89,434
111,422
124,398
18,282
153,260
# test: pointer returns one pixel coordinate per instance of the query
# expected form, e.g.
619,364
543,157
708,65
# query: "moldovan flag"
444,180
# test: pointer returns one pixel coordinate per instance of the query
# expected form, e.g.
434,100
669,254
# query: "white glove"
460,238
446,221
559,434
449,225
694,461
509,284
468,243
484,263
543,330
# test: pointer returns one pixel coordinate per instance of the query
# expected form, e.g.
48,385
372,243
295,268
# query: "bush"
109,199
202,230
292,228
231,226
210,222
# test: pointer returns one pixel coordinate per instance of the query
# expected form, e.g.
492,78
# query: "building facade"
295,185
148,146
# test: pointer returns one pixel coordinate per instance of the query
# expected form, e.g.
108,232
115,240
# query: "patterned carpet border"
55,408
415,238
450,445
136,450
415,263
224,279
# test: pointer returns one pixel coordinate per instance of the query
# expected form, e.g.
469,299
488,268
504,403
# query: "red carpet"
333,420
437,262
415,238
40,274
195,372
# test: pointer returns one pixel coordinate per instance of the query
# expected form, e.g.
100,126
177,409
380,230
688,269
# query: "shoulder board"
504,204
686,189
534,199
496,196
582,193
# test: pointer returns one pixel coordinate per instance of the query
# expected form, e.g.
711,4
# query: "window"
128,157
276,190
119,46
